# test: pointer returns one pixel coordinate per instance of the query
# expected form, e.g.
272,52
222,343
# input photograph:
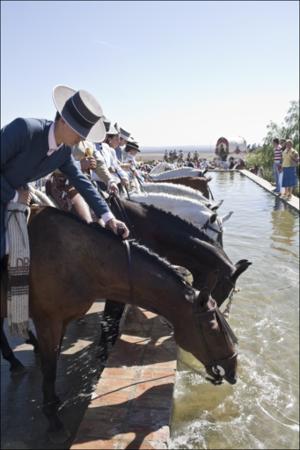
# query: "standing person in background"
277,166
290,161
282,143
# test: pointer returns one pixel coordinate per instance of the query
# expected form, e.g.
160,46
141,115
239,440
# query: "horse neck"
144,281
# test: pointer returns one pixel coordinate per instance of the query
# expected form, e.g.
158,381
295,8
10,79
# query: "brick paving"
132,404
23,424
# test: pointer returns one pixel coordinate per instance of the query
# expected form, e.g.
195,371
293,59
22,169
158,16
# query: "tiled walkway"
131,405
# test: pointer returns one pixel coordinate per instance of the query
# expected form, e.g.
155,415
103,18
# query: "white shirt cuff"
78,165
107,216
16,197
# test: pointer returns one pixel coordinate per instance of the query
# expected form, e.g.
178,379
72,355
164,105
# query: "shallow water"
262,410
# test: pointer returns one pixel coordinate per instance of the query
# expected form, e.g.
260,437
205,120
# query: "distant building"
224,146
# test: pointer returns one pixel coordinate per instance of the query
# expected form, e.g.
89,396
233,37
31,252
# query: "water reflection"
284,223
262,409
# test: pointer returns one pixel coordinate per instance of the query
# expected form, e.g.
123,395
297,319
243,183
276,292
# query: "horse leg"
16,367
110,325
50,338
32,340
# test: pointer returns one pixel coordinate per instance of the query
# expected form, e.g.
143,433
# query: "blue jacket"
24,147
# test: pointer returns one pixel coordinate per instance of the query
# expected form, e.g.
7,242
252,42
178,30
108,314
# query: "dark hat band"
132,146
75,107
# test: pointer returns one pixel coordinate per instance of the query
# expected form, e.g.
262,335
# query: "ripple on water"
262,409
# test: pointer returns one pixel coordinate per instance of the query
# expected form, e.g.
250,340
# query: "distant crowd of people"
194,160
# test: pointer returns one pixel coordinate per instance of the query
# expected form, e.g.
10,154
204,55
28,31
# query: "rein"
125,218
139,181
209,189
207,226
227,332
122,211
130,275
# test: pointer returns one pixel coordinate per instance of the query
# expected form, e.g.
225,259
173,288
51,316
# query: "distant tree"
263,156
288,130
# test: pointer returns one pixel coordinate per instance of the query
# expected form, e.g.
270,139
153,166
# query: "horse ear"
213,218
241,266
216,206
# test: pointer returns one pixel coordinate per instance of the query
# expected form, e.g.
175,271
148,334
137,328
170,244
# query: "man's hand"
113,188
24,196
88,163
117,227
125,182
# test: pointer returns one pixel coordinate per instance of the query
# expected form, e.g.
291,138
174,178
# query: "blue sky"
168,72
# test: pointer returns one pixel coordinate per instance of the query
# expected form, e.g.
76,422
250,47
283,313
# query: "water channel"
262,410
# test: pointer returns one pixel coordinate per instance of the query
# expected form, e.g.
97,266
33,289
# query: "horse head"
211,340
227,283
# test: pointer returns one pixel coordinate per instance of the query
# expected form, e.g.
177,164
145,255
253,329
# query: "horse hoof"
59,436
18,369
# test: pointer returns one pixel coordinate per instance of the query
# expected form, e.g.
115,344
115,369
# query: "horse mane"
171,270
176,221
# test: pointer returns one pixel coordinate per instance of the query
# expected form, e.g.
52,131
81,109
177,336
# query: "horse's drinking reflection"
73,264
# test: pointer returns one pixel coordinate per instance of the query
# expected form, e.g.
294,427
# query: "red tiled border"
131,405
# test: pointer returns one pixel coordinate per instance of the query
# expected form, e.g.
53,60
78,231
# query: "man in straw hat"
123,136
33,148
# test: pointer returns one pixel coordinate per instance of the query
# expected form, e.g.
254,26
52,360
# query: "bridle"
214,313
207,226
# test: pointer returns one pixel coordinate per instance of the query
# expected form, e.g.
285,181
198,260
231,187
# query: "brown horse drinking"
73,264
198,183
181,243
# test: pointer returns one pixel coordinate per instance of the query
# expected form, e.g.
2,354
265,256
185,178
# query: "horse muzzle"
217,373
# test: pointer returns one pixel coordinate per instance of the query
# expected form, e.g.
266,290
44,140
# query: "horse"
198,214
180,190
175,173
181,243
73,263
161,167
198,183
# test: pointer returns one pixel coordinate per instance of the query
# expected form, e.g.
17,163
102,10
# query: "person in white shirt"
106,151
124,136
131,150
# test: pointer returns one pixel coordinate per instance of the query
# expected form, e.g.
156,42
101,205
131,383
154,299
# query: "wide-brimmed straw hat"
110,128
81,111
132,146
122,133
